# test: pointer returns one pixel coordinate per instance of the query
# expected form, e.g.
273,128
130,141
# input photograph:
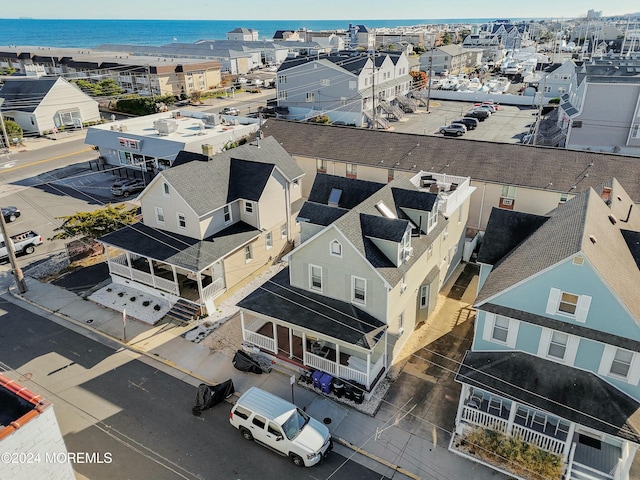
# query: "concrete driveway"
424,375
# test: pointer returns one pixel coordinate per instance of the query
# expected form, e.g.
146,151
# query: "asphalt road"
106,401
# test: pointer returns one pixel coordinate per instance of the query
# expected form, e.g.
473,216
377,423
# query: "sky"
303,10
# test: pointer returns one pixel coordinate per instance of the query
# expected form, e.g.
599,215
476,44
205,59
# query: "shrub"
120,294
146,303
133,299
554,101
157,308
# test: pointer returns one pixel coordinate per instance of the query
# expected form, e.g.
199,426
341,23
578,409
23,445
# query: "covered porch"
572,413
175,266
314,332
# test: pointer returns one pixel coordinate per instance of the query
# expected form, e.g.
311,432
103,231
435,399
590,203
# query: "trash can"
338,388
357,395
317,375
325,383
305,376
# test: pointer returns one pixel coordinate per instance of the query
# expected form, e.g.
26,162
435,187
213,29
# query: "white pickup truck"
25,242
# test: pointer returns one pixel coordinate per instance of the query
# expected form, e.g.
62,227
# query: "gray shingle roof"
276,298
581,224
180,250
206,185
568,392
319,214
499,163
25,94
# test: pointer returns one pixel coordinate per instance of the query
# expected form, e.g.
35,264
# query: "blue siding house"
555,359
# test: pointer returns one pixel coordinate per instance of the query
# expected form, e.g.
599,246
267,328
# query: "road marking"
49,159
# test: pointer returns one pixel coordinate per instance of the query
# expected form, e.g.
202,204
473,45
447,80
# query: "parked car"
492,103
486,108
127,186
229,111
470,123
454,129
10,214
480,114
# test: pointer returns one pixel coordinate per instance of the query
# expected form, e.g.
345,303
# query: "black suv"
470,123
481,115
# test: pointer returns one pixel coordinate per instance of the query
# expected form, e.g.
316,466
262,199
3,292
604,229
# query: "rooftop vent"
593,239
165,126
384,210
613,219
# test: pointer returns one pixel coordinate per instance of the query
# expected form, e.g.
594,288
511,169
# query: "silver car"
453,129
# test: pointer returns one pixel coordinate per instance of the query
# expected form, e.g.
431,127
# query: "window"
242,412
226,212
160,215
248,254
321,166
390,174
343,101
282,95
325,82
315,277
352,170
283,230
282,79
558,345
359,289
568,304
336,248
165,189
259,421
508,191
424,296
401,323
403,284
429,252
621,363
352,84
273,429
500,329
635,133
182,220
563,197
311,97
248,208
268,240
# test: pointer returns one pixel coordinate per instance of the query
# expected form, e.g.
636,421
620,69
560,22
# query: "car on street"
453,129
126,186
486,108
229,111
480,114
10,214
470,123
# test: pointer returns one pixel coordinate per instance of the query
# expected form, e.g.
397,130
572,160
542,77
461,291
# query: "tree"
446,38
418,50
95,224
419,79
13,130
195,97
104,88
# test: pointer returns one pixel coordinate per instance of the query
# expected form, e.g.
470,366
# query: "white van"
281,426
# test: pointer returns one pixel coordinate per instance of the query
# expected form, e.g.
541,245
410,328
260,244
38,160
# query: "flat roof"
18,406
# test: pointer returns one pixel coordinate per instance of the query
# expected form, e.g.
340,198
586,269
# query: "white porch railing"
320,363
168,285
349,373
119,269
142,277
259,340
484,419
538,439
213,289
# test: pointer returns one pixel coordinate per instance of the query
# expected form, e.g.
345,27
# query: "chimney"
207,150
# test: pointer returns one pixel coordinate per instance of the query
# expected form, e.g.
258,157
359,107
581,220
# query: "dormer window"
248,208
336,248
334,197
165,189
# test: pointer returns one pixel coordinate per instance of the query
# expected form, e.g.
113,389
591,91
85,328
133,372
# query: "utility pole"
4,129
11,253
430,79
373,91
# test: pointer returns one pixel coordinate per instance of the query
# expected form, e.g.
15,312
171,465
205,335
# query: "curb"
382,461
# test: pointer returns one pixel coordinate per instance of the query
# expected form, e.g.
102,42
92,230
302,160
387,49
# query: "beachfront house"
372,259
209,224
555,358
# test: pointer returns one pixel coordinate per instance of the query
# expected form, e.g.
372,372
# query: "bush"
146,303
133,299
143,105
555,101
157,308
324,119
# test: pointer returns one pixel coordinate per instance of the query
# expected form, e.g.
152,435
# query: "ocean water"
90,33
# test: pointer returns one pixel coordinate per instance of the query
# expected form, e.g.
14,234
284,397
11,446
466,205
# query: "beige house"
209,224
371,261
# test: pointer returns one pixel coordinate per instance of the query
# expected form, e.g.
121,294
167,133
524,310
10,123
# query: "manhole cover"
90,320
327,420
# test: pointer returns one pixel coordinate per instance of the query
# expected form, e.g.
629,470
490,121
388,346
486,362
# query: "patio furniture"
495,404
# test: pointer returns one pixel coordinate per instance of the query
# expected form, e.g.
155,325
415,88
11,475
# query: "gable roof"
25,94
354,191
583,225
208,184
500,163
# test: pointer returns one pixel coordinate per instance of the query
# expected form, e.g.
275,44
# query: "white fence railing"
167,285
484,419
119,269
538,439
320,363
259,340
348,373
211,290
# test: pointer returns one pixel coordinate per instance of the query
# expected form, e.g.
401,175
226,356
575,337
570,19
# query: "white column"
153,277
338,361
464,394
369,370
128,255
568,441
290,343
175,280
275,336
304,347
241,322
512,417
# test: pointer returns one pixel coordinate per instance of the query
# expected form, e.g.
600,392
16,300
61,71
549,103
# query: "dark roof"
343,321
391,229
354,191
633,242
180,250
25,94
506,229
581,224
570,393
498,163
207,184
413,199
319,214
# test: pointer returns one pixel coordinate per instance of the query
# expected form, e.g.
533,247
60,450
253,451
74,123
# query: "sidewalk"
388,444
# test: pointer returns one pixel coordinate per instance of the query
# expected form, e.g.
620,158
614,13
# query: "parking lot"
507,125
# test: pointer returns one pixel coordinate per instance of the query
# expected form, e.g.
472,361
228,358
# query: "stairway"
380,121
392,109
408,104
183,311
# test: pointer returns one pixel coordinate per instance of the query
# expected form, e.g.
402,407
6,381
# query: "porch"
309,350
